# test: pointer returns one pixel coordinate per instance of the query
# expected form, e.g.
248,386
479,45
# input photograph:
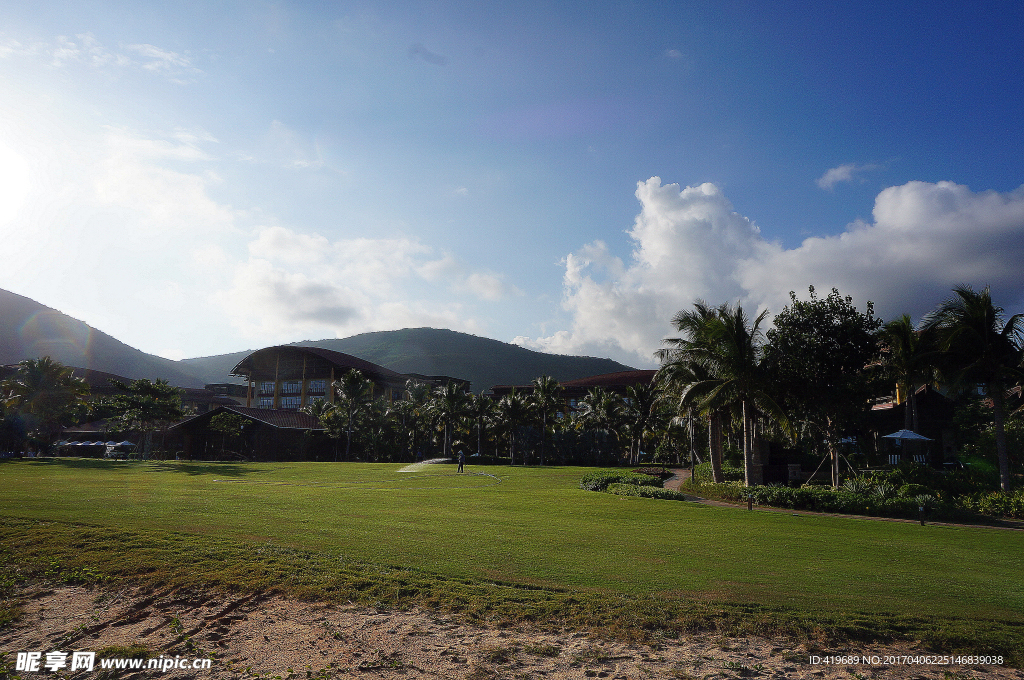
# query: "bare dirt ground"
273,637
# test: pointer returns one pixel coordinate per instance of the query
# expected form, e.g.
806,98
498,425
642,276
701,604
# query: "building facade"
291,377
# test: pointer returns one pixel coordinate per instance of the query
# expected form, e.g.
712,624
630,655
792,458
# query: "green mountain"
29,330
432,351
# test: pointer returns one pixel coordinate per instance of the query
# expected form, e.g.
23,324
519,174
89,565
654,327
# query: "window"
290,402
266,402
317,386
291,387
267,387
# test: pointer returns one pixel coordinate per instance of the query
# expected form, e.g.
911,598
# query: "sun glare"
14,183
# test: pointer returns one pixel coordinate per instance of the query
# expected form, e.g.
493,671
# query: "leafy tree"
46,396
979,348
819,352
547,401
143,406
229,425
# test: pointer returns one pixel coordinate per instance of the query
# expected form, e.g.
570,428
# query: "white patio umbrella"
905,435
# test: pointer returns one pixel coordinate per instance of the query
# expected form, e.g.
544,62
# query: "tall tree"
676,374
417,394
641,412
144,407
547,400
448,403
482,410
980,348
353,393
46,396
513,412
819,354
329,417
908,357
729,347
601,411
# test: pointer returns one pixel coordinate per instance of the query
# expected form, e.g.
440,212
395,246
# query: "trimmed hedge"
599,481
840,501
702,474
645,492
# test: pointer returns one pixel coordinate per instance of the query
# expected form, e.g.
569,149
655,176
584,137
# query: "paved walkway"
681,475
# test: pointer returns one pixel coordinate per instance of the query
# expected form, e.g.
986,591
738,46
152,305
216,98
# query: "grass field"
526,527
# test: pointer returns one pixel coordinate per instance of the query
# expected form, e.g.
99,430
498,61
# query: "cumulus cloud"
296,284
843,173
690,243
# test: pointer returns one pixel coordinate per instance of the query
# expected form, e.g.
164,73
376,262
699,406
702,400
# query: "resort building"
574,390
290,377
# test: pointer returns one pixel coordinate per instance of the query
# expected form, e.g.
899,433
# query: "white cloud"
300,285
690,244
843,173
84,48
285,147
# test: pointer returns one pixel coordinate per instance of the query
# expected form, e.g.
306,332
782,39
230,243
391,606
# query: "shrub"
912,490
599,481
996,503
645,492
658,472
841,501
702,474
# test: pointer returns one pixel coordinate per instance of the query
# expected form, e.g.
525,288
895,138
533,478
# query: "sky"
199,178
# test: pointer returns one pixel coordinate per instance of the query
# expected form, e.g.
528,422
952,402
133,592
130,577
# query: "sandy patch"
273,636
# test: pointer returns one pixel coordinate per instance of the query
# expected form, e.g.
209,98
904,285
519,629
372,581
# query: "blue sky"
199,178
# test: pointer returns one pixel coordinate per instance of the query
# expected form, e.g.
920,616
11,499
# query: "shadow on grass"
194,468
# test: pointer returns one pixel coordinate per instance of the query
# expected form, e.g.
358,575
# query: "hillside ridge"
29,329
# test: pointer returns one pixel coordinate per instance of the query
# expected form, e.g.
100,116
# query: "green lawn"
530,527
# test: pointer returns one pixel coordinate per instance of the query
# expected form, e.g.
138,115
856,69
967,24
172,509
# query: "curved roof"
263,363
619,379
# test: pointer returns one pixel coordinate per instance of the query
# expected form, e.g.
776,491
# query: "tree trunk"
995,392
715,448
748,464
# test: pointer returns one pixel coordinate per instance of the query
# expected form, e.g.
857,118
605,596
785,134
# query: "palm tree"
513,410
979,348
730,348
449,404
481,409
676,374
327,413
908,356
47,396
641,413
601,411
417,394
353,392
546,403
